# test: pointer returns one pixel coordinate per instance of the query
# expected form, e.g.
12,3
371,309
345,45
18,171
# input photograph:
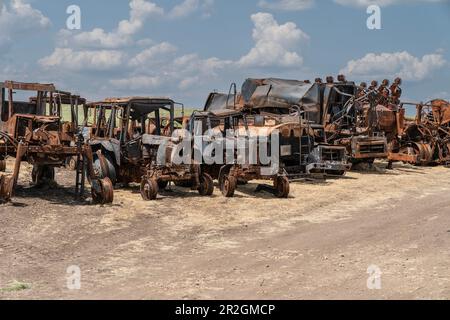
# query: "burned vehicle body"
132,143
239,160
34,132
426,140
348,120
277,101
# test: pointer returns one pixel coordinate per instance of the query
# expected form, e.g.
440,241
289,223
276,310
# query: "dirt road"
317,244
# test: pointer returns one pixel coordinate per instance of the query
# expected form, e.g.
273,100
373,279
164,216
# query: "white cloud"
274,43
137,83
153,54
401,64
188,7
167,70
290,5
140,11
69,59
19,18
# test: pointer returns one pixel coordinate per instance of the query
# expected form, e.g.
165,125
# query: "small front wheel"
104,192
206,187
228,186
282,188
149,189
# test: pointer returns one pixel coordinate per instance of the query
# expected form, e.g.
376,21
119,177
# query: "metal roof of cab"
14,85
126,100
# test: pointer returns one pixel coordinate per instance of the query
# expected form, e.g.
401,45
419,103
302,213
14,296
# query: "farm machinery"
135,140
287,105
34,131
426,140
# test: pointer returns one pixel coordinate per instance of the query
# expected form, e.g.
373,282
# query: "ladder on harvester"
80,170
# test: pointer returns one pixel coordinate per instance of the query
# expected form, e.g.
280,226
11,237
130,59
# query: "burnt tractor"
33,131
288,106
426,140
135,140
233,159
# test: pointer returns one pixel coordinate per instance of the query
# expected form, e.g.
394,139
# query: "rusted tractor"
134,141
34,132
235,156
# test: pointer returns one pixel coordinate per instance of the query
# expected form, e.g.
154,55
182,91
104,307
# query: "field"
317,244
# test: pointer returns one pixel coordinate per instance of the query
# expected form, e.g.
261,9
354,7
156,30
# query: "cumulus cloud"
180,72
401,64
153,54
274,43
290,5
188,7
18,18
140,11
69,59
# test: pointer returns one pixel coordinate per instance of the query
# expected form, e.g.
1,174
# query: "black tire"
206,187
149,189
282,188
228,186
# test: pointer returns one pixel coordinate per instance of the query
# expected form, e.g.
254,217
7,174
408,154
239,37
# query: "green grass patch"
16,286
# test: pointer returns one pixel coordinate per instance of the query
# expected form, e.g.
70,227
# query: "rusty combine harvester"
34,132
133,141
426,140
288,106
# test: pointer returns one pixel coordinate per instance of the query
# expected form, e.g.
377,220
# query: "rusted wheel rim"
149,189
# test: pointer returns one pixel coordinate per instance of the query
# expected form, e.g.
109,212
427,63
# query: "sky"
185,49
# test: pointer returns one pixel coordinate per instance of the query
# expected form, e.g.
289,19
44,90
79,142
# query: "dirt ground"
318,244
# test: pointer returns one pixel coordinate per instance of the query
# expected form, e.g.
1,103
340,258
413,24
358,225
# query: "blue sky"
186,48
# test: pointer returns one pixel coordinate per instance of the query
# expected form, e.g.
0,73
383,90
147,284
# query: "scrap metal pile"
322,129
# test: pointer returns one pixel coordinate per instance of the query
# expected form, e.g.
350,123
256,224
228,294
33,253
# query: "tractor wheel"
281,185
149,189
106,193
42,174
6,188
228,186
206,185
104,167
